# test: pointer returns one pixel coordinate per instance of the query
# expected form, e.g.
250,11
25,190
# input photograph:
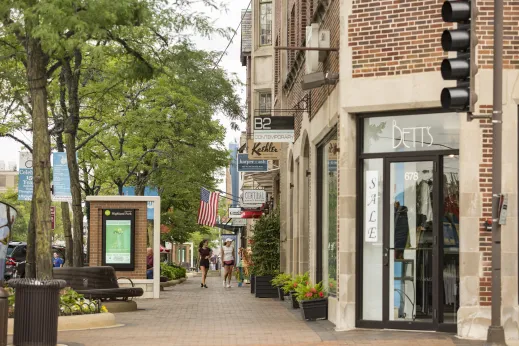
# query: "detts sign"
254,196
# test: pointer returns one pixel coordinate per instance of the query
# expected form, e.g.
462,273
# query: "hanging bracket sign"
276,129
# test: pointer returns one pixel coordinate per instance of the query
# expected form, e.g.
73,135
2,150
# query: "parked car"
17,255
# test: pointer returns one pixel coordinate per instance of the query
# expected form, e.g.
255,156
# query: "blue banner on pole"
148,191
25,184
246,165
61,177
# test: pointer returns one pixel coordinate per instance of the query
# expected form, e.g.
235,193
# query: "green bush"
281,279
291,285
172,272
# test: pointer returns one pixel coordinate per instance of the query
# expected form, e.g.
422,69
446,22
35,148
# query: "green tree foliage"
265,245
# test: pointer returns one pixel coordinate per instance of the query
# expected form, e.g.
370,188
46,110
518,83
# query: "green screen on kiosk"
118,244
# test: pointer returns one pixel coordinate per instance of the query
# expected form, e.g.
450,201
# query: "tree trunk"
71,127
37,81
30,265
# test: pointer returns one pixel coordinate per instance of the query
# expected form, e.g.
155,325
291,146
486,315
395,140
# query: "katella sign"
412,137
263,150
254,196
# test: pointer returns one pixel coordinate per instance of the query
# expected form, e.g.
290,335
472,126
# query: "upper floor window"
265,103
265,22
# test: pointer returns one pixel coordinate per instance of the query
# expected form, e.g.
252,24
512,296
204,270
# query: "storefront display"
410,231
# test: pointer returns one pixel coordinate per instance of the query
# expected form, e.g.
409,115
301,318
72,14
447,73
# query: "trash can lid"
21,283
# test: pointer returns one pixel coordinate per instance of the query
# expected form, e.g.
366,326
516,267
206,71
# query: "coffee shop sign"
411,137
254,196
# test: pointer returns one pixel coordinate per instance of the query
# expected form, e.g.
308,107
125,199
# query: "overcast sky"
9,149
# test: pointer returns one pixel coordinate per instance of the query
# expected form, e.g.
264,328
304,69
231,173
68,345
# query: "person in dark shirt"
149,263
57,262
204,253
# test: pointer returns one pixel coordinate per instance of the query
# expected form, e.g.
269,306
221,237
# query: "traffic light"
463,68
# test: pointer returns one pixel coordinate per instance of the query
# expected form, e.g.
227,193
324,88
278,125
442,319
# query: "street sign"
279,129
254,196
234,213
246,165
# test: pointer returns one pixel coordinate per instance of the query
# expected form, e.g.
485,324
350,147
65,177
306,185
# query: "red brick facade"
96,240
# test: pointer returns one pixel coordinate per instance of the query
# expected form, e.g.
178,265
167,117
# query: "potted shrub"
291,286
279,281
313,301
265,254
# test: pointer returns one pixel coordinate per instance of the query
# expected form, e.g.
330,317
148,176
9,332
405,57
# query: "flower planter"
295,303
263,287
281,293
252,283
316,309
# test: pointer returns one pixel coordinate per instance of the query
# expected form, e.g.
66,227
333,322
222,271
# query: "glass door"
410,242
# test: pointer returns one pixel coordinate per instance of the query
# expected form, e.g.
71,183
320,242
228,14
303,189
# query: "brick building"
384,195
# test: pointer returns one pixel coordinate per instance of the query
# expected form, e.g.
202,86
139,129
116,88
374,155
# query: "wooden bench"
96,283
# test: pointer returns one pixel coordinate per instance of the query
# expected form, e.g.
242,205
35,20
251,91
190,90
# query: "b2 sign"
254,196
276,129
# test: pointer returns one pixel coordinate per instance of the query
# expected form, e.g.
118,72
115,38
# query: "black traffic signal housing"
463,68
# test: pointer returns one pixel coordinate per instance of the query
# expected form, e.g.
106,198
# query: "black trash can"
36,311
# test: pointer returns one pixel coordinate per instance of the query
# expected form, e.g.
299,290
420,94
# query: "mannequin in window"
401,230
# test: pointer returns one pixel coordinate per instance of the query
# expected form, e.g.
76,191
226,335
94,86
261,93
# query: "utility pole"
496,332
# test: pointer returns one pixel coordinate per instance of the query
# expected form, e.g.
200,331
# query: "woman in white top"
227,254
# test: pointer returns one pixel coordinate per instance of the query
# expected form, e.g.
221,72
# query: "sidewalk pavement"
189,315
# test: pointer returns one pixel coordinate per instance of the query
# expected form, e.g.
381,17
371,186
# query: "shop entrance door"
410,243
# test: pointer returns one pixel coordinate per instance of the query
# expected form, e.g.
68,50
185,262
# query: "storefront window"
329,151
411,133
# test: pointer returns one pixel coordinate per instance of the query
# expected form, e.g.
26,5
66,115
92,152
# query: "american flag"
208,207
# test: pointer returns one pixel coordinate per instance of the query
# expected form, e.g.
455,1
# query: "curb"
80,322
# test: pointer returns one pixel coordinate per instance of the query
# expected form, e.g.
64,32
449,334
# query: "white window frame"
265,23
264,102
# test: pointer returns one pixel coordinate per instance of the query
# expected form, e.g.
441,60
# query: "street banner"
25,184
61,178
246,165
263,150
148,191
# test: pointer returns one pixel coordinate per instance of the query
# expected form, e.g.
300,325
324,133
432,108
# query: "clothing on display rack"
450,283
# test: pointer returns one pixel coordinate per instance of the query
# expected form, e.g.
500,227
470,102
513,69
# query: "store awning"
261,179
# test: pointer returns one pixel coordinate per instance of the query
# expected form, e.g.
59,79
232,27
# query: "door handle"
386,257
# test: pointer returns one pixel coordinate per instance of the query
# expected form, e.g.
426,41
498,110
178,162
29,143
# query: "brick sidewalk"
189,315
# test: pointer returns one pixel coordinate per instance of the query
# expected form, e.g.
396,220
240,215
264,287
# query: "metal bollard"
4,310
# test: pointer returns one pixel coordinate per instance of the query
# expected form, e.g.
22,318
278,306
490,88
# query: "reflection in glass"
451,236
372,241
411,229
329,215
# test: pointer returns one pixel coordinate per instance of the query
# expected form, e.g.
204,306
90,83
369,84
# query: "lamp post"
7,217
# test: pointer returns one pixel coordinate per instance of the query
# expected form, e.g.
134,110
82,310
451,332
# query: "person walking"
57,262
227,253
204,253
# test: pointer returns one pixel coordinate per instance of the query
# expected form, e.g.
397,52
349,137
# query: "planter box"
316,309
281,293
295,303
263,287
252,284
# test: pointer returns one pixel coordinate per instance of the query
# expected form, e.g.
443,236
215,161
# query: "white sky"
9,148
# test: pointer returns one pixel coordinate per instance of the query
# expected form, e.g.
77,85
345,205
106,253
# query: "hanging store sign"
371,207
254,196
239,222
234,213
246,165
277,129
263,150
